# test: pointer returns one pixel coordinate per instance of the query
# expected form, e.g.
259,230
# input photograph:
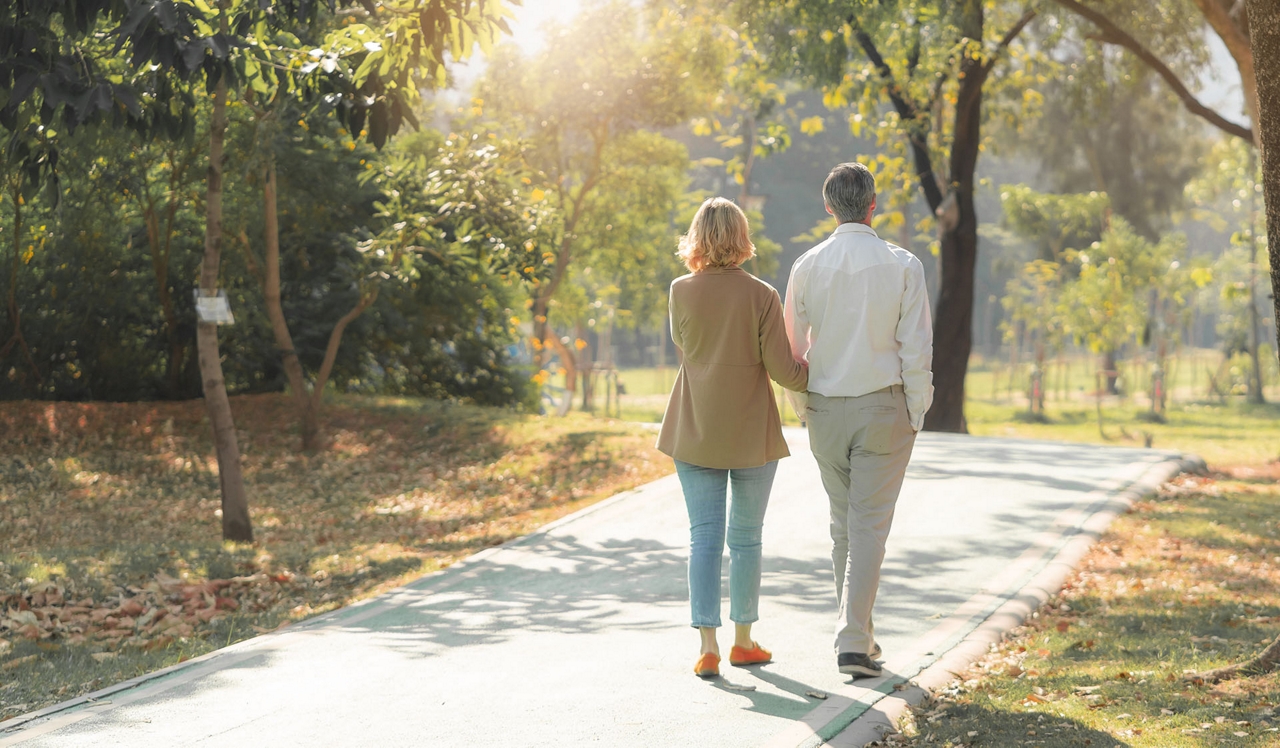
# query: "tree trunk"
540,329
545,340
15,315
159,242
542,332
1264,27
235,504
570,369
1235,36
542,299
1256,395
1110,372
1263,663
308,419
586,364
958,258
953,321
311,414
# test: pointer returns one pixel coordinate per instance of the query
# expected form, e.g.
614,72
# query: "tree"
456,226
1230,185
158,179
1124,291
1106,125
1033,302
351,59
1265,21
235,503
586,108
1055,222
931,64
1105,308
746,116
51,78
1057,225
1167,35
1246,27
365,82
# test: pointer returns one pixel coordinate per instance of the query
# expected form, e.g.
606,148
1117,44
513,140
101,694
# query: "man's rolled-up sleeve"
915,344
795,319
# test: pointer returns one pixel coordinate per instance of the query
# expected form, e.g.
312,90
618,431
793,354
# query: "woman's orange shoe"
708,665
754,656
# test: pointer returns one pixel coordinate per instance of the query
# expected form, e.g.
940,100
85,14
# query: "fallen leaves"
19,662
162,609
1189,579
127,494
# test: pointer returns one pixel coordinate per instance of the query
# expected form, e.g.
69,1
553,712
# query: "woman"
722,425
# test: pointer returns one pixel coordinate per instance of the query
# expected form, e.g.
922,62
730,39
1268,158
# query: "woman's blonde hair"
718,237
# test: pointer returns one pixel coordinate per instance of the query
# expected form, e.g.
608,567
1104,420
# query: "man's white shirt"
857,310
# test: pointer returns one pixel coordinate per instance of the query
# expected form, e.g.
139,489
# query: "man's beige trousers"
862,445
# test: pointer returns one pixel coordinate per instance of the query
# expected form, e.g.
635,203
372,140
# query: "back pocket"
878,433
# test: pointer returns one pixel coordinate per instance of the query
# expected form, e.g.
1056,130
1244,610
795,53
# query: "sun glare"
531,19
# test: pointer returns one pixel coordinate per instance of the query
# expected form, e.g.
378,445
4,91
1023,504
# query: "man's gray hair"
848,191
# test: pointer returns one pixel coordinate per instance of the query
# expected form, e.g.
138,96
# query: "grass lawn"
1224,431
110,560
1224,434
1188,581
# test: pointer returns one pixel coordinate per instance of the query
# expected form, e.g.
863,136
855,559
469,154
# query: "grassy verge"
1230,433
648,391
1221,430
1188,581
110,563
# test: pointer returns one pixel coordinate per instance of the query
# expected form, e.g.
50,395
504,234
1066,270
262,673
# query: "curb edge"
882,718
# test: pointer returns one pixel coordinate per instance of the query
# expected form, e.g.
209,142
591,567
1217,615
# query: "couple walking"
854,344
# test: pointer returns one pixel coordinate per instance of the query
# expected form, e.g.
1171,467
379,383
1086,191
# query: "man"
857,310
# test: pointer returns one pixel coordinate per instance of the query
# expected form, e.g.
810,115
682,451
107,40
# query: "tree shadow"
951,457
996,727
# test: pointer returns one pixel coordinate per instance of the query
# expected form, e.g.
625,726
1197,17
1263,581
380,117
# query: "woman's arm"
676,337
775,349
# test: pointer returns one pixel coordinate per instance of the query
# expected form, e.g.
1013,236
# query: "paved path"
578,635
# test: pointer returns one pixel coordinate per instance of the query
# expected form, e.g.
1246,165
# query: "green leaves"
1121,281
587,112
1056,222
452,206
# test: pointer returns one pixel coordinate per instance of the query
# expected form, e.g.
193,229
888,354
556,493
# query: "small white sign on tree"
214,310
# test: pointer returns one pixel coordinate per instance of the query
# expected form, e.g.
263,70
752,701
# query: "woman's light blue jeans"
704,495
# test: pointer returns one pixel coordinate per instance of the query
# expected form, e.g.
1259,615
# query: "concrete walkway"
578,634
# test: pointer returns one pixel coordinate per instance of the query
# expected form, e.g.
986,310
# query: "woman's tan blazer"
722,412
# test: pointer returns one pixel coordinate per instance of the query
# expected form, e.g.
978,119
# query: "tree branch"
906,108
335,340
911,116
1009,36
1116,35
1230,23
